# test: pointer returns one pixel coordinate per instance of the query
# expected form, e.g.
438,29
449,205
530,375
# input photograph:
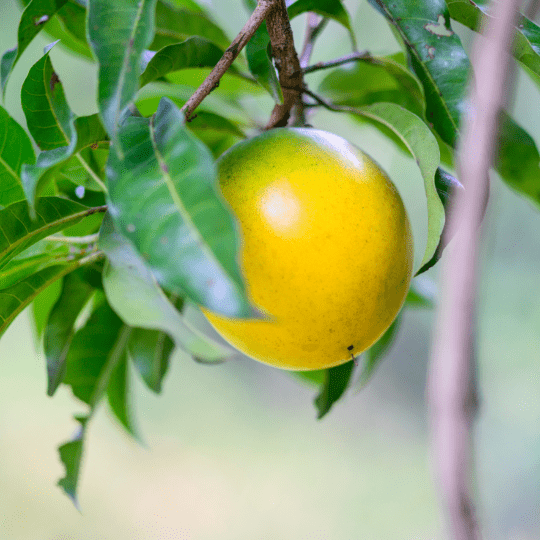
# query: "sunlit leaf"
134,294
119,31
191,249
34,18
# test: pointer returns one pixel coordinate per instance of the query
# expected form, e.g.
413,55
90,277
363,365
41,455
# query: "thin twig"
353,57
451,385
287,64
313,29
264,7
89,239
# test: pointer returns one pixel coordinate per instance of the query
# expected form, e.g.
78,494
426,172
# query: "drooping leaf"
95,350
193,52
174,24
31,261
15,149
134,294
33,19
18,231
150,352
332,9
336,381
446,186
424,148
69,26
15,298
120,397
191,249
84,132
372,80
517,159
59,331
71,456
41,307
437,57
119,31
48,116
373,356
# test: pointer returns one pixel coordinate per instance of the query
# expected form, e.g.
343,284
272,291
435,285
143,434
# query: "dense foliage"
110,223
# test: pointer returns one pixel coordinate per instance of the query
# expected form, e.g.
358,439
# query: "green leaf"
48,116
119,31
176,24
85,131
526,44
69,26
15,149
194,52
437,57
120,396
33,19
71,456
374,355
31,261
18,231
336,381
332,9
59,331
372,80
15,298
517,159
134,294
96,349
423,146
260,63
150,352
447,186
192,249
41,307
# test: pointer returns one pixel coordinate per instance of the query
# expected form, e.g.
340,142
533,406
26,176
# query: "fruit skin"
327,249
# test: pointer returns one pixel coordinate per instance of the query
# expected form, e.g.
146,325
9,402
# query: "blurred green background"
234,452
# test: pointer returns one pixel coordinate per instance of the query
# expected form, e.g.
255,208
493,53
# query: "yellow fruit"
327,249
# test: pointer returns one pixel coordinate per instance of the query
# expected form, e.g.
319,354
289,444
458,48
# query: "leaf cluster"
110,223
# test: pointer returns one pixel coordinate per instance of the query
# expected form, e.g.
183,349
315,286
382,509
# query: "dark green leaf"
134,294
18,231
194,52
446,186
48,116
192,249
119,31
336,381
33,19
373,356
31,261
372,80
120,396
71,455
59,331
95,350
177,24
526,45
260,64
69,26
332,9
16,149
517,159
15,298
150,351
437,57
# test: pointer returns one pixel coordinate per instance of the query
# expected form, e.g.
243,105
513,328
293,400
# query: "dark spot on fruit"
350,347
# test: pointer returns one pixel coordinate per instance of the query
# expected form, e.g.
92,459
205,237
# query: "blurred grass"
234,451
